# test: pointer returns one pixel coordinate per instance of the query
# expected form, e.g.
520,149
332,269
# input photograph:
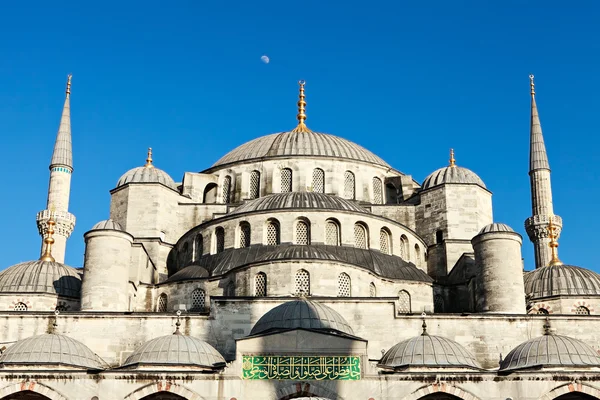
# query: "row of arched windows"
198,301
318,185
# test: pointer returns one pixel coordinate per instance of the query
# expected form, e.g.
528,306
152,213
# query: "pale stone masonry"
299,266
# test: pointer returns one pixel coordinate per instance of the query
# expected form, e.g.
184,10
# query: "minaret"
541,191
59,188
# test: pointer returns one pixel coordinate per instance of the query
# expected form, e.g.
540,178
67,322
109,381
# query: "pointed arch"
302,282
349,186
361,236
162,303
418,256
318,180
305,389
302,231
260,284
372,290
219,239
377,191
162,386
441,387
254,192
344,285
332,232
31,386
198,300
245,234
576,387
226,193
272,233
404,305
385,241
286,180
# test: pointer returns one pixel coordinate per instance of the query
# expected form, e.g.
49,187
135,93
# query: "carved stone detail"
65,222
537,226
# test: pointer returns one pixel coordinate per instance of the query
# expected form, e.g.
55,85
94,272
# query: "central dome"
294,143
310,200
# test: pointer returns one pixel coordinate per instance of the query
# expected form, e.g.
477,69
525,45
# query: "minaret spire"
301,128
59,188
542,210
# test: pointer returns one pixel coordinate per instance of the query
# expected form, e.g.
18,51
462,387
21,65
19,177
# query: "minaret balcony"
65,222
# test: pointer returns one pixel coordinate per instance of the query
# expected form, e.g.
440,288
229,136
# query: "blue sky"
407,80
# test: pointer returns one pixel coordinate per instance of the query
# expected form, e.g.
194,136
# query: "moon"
265,59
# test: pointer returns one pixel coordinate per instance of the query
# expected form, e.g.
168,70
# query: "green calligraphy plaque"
301,368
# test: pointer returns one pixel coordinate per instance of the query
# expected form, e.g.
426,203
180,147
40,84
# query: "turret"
106,268
500,287
541,190
59,188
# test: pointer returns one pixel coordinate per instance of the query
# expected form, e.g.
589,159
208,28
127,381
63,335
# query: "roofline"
454,183
117,188
275,331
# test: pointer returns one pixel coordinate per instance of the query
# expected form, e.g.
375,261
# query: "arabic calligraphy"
301,368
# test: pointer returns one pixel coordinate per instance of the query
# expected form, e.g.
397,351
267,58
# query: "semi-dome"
189,273
147,173
452,174
298,200
41,277
52,349
561,280
550,351
107,224
302,314
299,252
430,352
299,143
176,350
496,227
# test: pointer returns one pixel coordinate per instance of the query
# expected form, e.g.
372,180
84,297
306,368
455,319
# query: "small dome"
298,200
428,351
52,348
107,224
550,351
452,174
176,350
41,277
303,144
302,314
496,227
147,174
561,280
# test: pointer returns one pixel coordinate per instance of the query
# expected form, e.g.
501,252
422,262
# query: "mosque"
299,266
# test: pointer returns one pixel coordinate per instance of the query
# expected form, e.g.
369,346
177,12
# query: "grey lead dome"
556,280
496,227
146,175
310,200
452,174
41,277
107,224
302,314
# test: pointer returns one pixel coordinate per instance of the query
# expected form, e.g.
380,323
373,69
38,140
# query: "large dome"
51,349
41,277
303,143
561,280
302,314
452,174
297,200
146,174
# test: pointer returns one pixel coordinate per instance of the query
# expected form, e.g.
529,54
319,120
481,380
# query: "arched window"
230,289
404,248
384,241
161,306
219,239
438,304
198,247
372,290
360,236
344,287
417,255
198,300
254,192
272,233
302,233
20,307
260,284
582,310
377,191
227,189
302,282
542,311
318,181
332,233
349,185
286,180
403,302
245,234
210,193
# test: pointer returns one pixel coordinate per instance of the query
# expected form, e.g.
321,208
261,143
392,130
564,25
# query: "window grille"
403,302
332,233
438,303
302,234
404,247
220,237
272,233
417,254
226,189
318,182
384,241
372,290
230,290
198,247
542,311
360,236
198,300
260,284
20,307
162,303
245,235
286,180
581,310
349,185
254,192
302,282
377,191
343,285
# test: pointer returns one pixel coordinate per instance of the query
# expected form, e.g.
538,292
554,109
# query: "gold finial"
553,243
532,84
49,240
424,325
149,159
69,84
301,110
452,159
